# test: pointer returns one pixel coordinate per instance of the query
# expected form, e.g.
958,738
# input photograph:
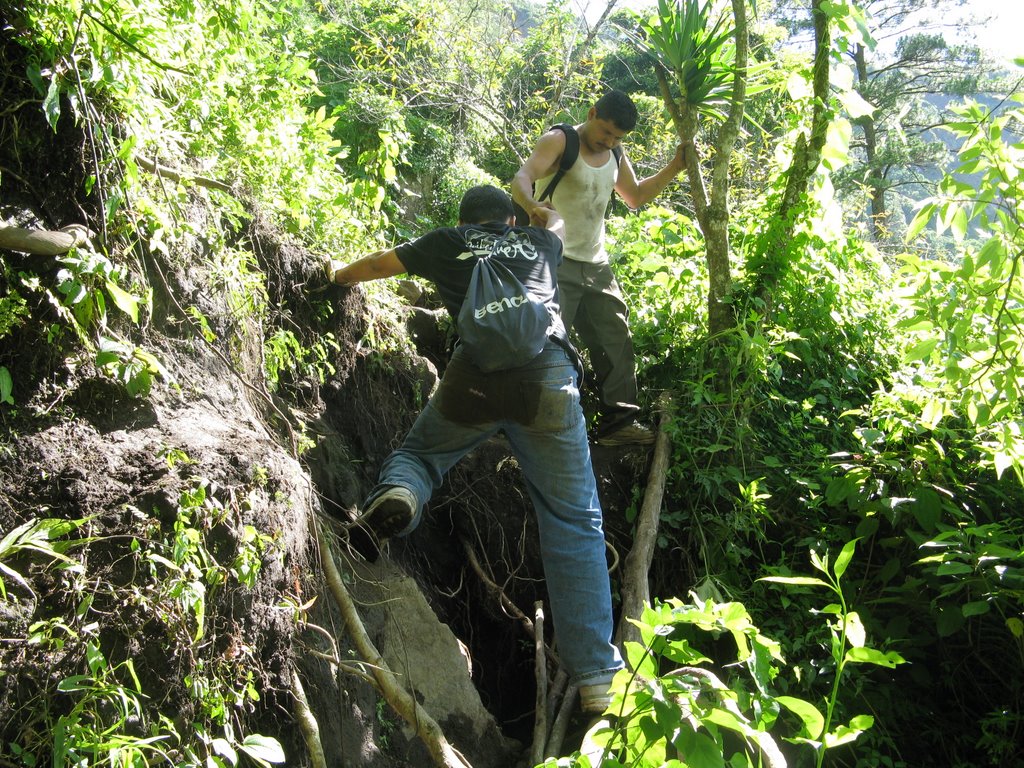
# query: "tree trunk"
806,157
875,180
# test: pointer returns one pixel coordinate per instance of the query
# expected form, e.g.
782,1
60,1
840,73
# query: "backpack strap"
568,159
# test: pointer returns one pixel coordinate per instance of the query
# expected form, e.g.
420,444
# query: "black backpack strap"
568,159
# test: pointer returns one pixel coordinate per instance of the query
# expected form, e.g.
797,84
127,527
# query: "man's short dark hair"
485,203
617,107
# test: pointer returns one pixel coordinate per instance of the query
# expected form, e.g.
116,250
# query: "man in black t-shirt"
535,405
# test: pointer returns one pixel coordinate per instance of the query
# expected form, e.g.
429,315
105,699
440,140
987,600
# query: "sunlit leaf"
813,720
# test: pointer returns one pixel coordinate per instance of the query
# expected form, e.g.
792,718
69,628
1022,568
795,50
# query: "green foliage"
967,316
333,131
41,536
979,569
283,353
670,708
103,714
848,646
95,730
13,311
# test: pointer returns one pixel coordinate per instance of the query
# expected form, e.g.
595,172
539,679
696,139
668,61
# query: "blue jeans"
537,406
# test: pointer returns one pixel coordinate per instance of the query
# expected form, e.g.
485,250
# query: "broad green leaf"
799,581
813,720
921,219
263,749
873,656
798,86
51,104
975,608
223,748
17,577
844,734
933,412
1002,461
835,154
700,749
843,558
856,105
124,300
927,509
6,386
840,489
922,350
958,225
954,568
856,635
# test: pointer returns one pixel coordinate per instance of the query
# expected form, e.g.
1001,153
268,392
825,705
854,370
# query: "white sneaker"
595,699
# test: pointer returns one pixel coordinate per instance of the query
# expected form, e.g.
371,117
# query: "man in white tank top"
589,296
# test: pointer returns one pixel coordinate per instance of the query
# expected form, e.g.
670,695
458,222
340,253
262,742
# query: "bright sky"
1003,37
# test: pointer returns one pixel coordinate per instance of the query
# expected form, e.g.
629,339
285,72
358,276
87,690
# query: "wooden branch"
39,242
561,725
307,723
555,692
443,753
635,588
574,56
152,166
540,717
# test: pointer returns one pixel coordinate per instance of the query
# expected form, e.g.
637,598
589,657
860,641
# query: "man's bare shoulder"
547,152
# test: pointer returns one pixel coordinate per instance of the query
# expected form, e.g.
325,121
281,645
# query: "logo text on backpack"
494,307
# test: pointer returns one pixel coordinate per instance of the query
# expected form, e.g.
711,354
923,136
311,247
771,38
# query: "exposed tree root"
443,753
307,723
40,242
154,167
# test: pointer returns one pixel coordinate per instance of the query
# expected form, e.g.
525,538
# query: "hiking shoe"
389,514
633,433
595,699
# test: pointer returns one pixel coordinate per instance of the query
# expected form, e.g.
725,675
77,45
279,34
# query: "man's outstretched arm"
373,267
638,193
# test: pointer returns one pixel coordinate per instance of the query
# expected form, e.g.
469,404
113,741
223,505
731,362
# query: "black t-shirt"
446,257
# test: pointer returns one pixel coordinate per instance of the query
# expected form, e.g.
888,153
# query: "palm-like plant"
701,61
691,48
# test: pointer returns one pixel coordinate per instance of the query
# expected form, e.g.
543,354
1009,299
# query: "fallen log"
636,590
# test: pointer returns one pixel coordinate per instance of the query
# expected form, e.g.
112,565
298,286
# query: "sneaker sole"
381,522
611,442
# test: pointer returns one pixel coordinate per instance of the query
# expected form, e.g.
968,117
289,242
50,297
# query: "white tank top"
581,197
